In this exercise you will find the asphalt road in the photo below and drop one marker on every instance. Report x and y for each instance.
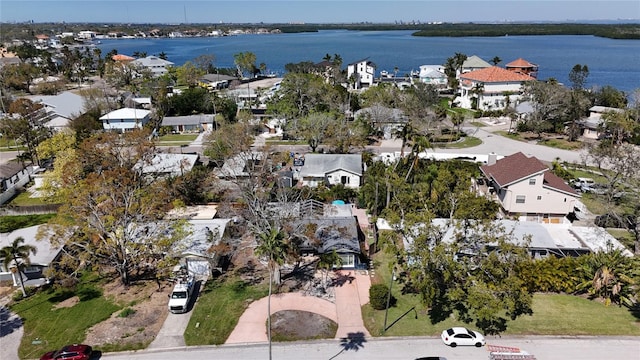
(544, 348)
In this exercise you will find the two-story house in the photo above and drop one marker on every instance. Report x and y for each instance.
(362, 72)
(526, 188)
(593, 125)
(522, 66)
(491, 88)
(156, 65)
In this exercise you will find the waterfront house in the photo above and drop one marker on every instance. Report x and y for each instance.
(125, 119)
(331, 169)
(433, 75)
(522, 66)
(362, 72)
(525, 188)
(473, 63)
(154, 64)
(491, 88)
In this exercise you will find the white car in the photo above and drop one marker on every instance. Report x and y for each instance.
(462, 336)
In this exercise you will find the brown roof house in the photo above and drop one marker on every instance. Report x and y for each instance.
(526, 188)
(522, 66)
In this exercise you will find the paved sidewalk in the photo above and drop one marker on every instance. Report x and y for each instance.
(11, 332)
(352, 292)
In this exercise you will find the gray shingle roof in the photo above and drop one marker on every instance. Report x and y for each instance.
(318, 165)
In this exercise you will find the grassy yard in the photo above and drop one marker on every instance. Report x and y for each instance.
(553, 314)
(48, 328)
(14, 222)
(279, 141)
(176, 139)
(24, 199)
(219, 307)
(556, 314)
(467, 142)
(562, 144)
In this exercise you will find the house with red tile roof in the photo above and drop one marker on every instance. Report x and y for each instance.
(491, 88)
(525, 188)
(522, 66)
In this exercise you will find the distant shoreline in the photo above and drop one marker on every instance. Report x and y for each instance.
(615, 30)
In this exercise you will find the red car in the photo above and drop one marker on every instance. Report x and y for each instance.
(70, 352)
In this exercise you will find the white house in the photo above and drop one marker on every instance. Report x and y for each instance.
(331, 169)
(491, 88)
(593, 124)
(156, 65)
(525, 187)
(125, 119)
(433, 75)
(363, 72)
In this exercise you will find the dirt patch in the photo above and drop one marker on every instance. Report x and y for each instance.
(145, 313)
(293, 325)
(70, 302)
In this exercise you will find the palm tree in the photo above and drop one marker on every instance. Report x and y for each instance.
(420, 144)
(275, 249)
(496, 60)
(19, 255)
(327, 262)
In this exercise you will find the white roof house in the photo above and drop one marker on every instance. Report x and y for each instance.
(60, 108)
(125, 119)
(433, 74)
(155, 64)
(331, 169)
(164, 164)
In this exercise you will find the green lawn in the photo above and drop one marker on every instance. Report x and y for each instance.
(553, 314)
(467, 142)
(218, 309)
(556, 314)
(13, 222)
(562, 144)
(24, 199)
(178, 137)
(47, 328)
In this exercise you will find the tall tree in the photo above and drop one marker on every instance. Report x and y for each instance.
(245, 63)
(578, 76)
(28, 127)
(479, 285)
(18, 254)
(114, 214)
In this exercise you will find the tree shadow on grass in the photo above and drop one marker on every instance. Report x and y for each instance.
(353, 342)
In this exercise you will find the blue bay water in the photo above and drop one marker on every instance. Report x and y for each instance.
(611, 62)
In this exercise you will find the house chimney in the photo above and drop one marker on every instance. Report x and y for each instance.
(493, 157)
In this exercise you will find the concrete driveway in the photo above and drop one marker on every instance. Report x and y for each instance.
(351, 292)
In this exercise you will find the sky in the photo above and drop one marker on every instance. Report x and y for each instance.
(314, 11)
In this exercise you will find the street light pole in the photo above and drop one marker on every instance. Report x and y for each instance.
(386, 311)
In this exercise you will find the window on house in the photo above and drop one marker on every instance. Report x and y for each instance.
(344, 180)
(520, 199)
(532, 181)
(539, 197)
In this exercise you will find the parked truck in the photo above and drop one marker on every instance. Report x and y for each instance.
(181, 294)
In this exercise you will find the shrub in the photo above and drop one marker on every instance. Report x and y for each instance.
(378, 294)
(126, 312)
